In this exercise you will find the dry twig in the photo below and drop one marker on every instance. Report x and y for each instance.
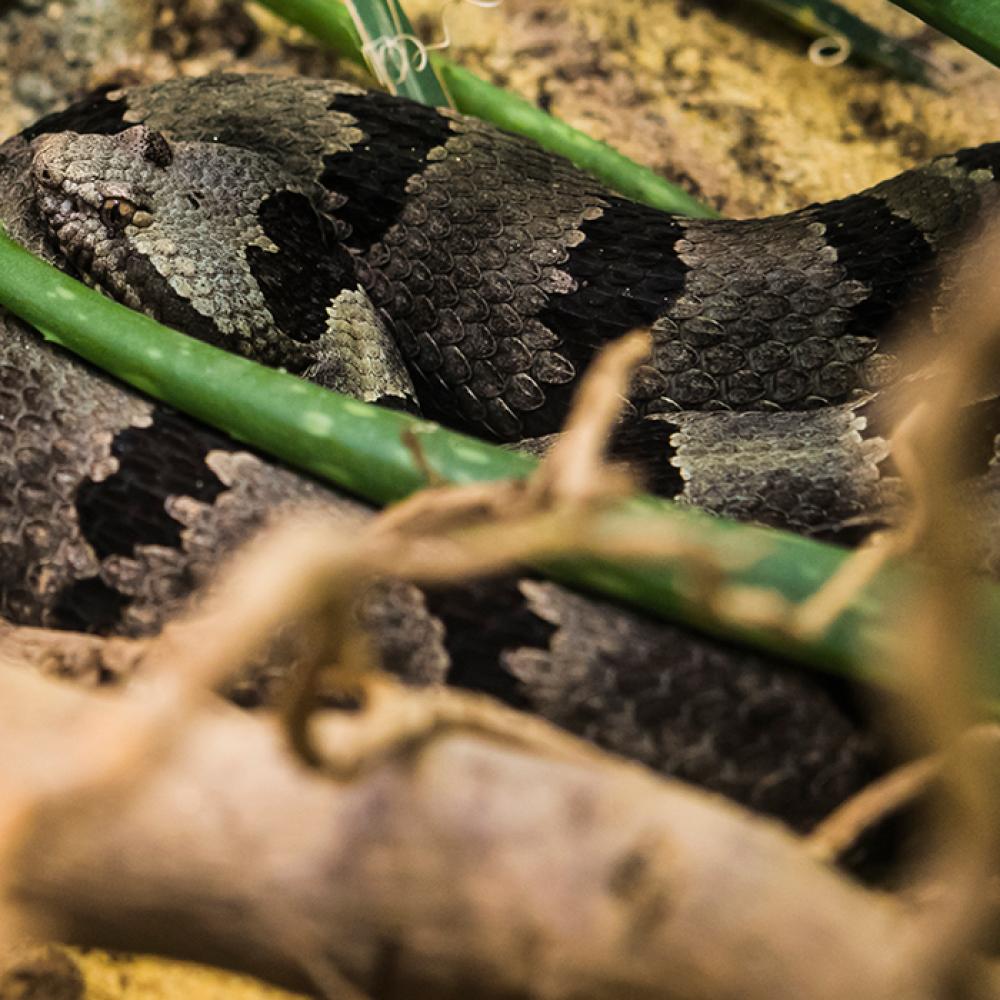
(441, 867)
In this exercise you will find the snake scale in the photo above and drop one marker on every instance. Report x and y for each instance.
(421, 259)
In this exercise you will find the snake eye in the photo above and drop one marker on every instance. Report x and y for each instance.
(117, 213)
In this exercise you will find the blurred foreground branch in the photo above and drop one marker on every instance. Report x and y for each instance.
(438, 867)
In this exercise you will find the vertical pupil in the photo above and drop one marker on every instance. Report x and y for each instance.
(116, 212)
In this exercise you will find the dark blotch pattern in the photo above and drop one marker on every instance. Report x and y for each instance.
(372, 176)
(500, 269)
(157, 150)
(165, 305)
(884, 251)
(626, 272)
(645, 445)
(310, 268)
(752, 728)
(154, 463)
(483, 619)
(89, 605)
(95, 114)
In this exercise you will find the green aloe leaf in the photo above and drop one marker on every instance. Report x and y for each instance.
(974, 23)
(394, 54)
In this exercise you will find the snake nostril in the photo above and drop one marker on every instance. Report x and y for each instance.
(46, 172)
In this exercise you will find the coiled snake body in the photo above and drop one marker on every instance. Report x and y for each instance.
(425, 260)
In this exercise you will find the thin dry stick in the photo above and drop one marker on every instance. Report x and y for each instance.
(815, 615)
(569, 481)
(575, 471)
(572, 473)
(310, 575)
(845, 826)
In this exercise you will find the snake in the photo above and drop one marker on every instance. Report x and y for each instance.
(421, 259)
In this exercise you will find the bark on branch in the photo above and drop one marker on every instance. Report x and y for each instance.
(462, 863)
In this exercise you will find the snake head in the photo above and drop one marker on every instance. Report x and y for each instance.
(95, 193)
(218, 241)
(167, 227)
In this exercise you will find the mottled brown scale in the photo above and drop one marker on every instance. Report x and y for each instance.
(466, 271)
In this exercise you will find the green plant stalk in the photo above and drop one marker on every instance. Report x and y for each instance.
(330, 23)
(974, 23)
(360, 448)
(821, 18)
(377, 20)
